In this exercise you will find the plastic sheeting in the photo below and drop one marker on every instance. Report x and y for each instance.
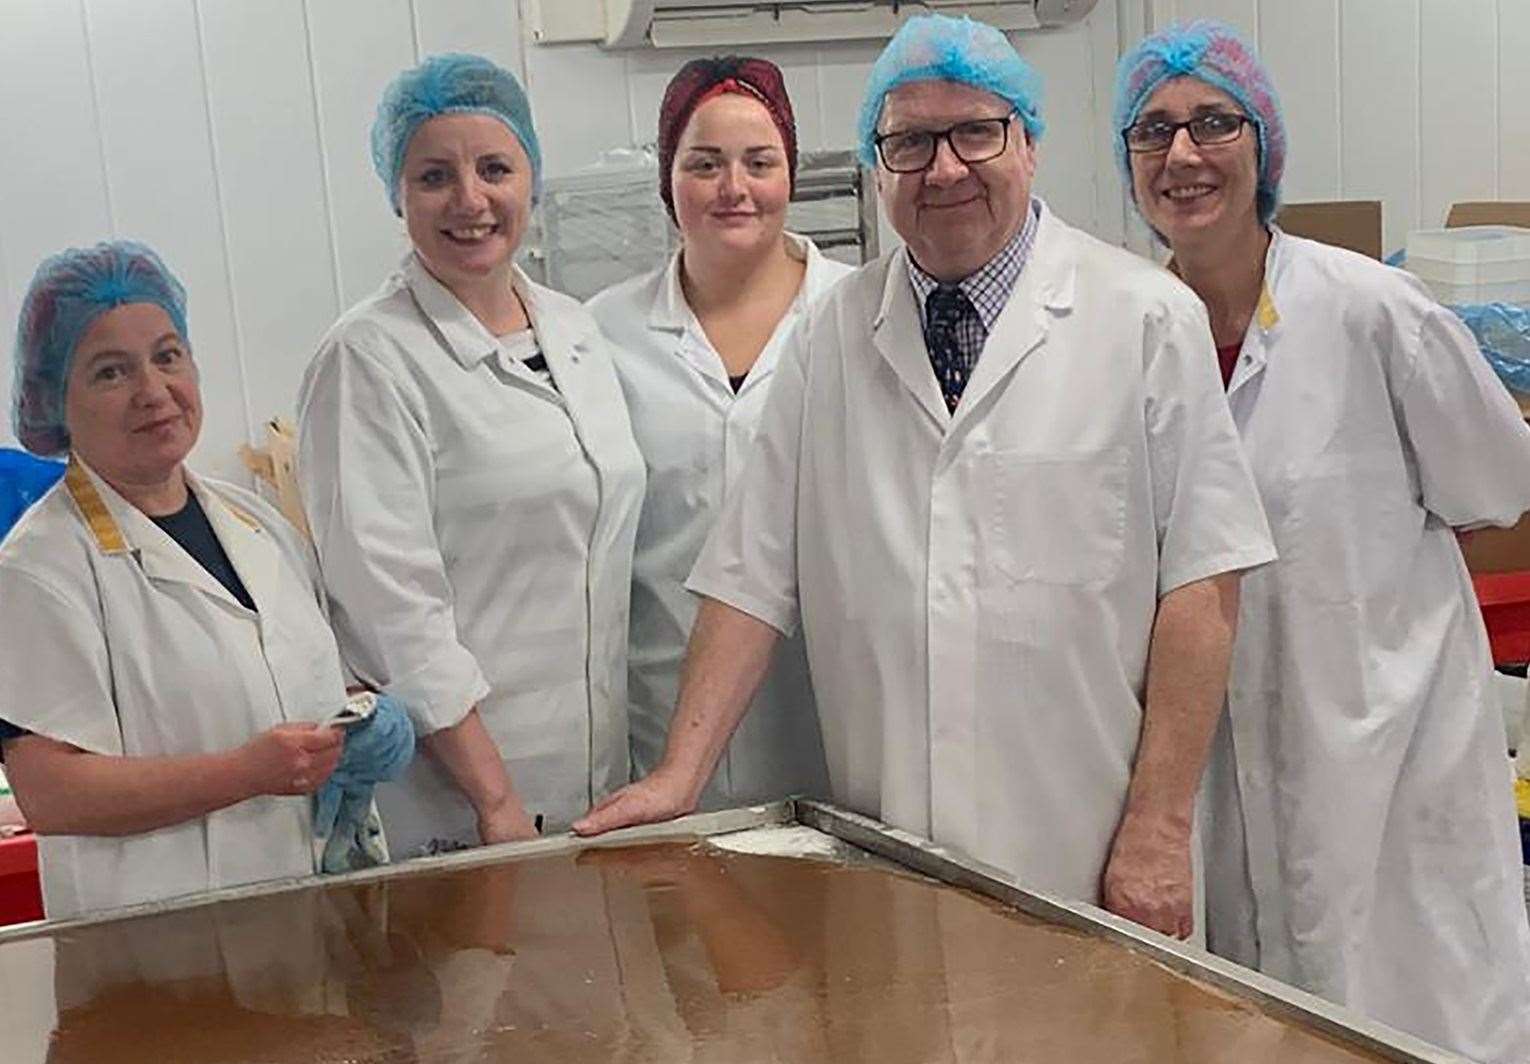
(23, 480)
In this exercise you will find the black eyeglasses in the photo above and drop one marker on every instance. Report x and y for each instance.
(1206, 130)
(975, 141)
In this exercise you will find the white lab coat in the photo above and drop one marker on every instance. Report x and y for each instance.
(118, 642)
(978, 591)
(694, 433)
(1365, 768)
(475, 528)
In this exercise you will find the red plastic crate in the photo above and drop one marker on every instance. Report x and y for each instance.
(20, 889)
(1505, 601)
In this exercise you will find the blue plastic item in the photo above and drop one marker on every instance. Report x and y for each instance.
(68, 293)
(447, 85)
(23, 480)
(942, 48)
(1215, 53)
(1503, 332)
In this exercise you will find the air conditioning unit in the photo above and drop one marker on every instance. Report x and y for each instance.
(715, 23)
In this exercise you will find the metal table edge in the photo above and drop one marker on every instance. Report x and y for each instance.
(696, 825)
(1277, 998)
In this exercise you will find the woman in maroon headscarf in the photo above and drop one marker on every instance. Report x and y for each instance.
(697, 344)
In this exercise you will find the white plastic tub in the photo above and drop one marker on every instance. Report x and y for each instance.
(1472, 264)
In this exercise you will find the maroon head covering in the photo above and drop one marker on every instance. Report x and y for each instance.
(700, 80)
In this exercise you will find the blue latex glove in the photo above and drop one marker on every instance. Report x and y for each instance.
(378, 749)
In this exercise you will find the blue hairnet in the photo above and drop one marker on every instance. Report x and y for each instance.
(1212, 52)
(444, 85)
(942, 48)
(68, 293)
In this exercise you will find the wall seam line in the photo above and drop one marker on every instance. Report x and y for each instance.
(96, 122)
(1338, 95)
(326, 181)
(1498, 100)
(1418, 115)
(228, 254)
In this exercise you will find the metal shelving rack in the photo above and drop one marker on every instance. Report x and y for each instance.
(605, 223)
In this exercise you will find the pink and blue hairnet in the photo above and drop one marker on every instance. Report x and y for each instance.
(1212, 52)
(444, 85)
(68, 293)
(942, 48)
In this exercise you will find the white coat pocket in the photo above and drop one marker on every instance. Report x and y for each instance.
(1053, 518)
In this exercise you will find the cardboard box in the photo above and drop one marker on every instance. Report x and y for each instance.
(1504, 212)
(1352, 224)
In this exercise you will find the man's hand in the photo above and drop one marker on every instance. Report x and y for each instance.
(1148, 878)
(661, 795)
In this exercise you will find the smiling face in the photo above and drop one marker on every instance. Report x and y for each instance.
(132, 403)
(466, 196)
(730, 179)
(1193, 193)
(955, 216)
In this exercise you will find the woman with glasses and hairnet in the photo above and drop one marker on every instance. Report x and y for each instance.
(1361, 837)
(166, 654)
(697, 344)
(472, 483)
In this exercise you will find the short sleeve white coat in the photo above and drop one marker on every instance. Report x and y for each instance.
(977, 591)
(475, 527)
(695, 432)
(1362, 842)
(118, 642)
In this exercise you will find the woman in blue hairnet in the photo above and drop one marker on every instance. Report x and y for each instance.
(166, 653)
(1361, 838)
(472, 482)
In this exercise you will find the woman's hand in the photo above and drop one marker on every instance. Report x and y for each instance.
(506, 821)
(291, 758)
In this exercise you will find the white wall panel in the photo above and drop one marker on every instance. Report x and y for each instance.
(484, 27)
(1110, 203)
(1299, 42)
(1514, 100)
(580, 98)
(1067, 174)
(1378, 89)
(164, 189)
(52, 186)
(1458, 117)
(1243, 14)
(274, 201)
(843, 67)
(358, 46)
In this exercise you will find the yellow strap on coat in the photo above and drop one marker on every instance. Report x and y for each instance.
(103, 526)
(1266, 314)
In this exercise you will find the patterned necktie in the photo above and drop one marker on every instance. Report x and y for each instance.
(944, 309)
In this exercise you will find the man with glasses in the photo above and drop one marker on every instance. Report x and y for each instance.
(998, 485)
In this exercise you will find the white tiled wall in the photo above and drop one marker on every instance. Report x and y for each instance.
(232, 135)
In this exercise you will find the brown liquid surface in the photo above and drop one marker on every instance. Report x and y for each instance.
(645, 954)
